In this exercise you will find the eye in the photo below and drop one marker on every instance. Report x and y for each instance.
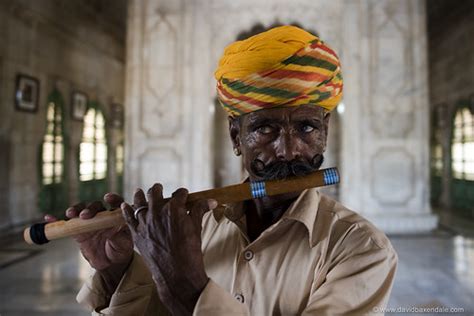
(266, 129)
(307, 129)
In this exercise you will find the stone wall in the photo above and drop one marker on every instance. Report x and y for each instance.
(173, 48)
(67, 45)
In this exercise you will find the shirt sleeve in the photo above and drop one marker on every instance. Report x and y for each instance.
(216, 301)
(135, 295)
(359, 282)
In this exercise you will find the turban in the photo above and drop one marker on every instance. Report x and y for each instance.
(282, 67)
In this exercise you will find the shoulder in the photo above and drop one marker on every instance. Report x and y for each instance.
(348, 231)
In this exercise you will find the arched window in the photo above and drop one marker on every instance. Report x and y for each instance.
(462, 162)
(93, 155)
(53, 197)
(53, 146)
(93, 148)
(462, 148)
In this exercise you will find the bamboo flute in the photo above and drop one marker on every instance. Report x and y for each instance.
(44, 232)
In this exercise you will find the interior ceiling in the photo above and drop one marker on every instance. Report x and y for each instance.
(447, 12)
(114, 11)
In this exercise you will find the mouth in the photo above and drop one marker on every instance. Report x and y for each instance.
(279, 170)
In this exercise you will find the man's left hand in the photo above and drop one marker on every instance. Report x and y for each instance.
(168, 236)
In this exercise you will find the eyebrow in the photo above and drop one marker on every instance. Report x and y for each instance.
(309, 121)
(261, 121)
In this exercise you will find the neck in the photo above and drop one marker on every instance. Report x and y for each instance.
(262, 213)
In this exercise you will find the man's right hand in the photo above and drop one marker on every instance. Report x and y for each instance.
(110, 250)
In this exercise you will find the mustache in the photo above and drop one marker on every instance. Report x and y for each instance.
(279, 170)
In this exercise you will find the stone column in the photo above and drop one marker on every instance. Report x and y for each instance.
(385, 157)
(167, 131)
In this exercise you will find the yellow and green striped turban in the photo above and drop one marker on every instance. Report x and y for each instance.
(284, 66)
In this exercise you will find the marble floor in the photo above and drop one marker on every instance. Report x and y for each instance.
(435, 271)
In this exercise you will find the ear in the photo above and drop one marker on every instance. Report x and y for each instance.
(234, 132)
(326, 119)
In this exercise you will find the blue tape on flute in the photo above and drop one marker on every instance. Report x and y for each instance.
(258, 189)
(331, 176)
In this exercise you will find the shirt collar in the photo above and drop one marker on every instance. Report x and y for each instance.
(303, 209)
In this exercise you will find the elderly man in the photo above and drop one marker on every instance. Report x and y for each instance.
(300, 253)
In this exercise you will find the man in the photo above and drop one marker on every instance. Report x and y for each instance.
(300, 253)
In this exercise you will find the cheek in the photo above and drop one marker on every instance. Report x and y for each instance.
(253, 146)
(250, 140)
(312, 145)
(317, 141)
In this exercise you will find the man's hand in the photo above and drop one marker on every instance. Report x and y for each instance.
(168, 236)
(109, 251)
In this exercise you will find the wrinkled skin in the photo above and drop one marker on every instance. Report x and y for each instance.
(266, 137)
(274, 143)
(279, 135)
(169, 240)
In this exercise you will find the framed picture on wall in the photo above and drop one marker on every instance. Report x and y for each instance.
(26, 93)
(116, 115)
(78, 105)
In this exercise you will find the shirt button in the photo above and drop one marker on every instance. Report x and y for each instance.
(239, 297)
(248, 255)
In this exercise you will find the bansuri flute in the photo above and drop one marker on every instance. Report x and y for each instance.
(42, 233)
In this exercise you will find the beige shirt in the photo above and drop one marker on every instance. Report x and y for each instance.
(320, 258)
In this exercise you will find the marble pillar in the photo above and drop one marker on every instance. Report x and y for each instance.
(385, 142)
(168, 105)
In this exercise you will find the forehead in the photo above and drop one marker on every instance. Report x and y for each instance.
(286, 114)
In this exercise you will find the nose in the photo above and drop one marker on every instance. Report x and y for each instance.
(287, 147)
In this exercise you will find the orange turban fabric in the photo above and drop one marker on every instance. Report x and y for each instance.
(285, 66)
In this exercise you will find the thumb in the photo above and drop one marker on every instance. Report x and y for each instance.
(121, 239)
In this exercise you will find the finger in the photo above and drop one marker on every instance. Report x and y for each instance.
(113, 199)
(155, 197)
(74, 210)
(178, 200)
(91, 210)
(127, 213)
(139, 198)
(50, 218)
